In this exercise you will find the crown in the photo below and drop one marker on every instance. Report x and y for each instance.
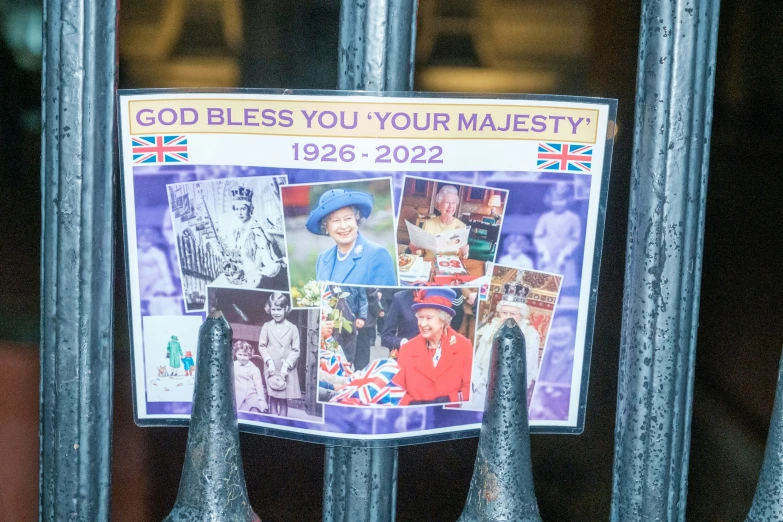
(516, 291)
(242, 194)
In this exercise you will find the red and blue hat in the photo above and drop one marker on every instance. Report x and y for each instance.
(438, 298)
(335, 199)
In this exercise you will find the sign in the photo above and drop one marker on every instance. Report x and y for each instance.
(365, 250)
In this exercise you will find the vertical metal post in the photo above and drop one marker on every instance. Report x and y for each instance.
(77, 259)
(376, 53)
(377, 45)
(664, 256)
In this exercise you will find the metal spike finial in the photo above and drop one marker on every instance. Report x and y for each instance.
(768, 501)
(212, 487)
(502, 484)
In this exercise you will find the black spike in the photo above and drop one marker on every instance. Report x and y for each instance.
(212, 487)
(502, 484)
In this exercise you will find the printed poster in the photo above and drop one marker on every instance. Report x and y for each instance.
(364, 249)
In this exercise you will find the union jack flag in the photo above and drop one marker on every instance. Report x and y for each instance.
(333, 363)
(160, 149)
(372, 386)
(564, 156)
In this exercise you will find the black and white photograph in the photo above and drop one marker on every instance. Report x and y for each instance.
(229, 233)
(275, 353)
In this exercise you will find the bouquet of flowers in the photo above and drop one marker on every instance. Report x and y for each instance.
(309, 296)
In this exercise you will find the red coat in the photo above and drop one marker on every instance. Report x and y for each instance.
(422, 382)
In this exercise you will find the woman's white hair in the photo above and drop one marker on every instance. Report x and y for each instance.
(522, 307)
(443, 316)
(443, 192)
(356, 213)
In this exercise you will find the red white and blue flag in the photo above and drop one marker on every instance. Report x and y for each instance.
(160, 149)
(333, 363)
(372, 386)
(564, 156)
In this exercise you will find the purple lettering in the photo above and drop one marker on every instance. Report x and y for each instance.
(440, 118)
(488, 122)
(416, 119)
(215, 116)
(508, 124)
(345, 125)
(575, 124)
(309, 118)
(382, 120)
(557, 120)
(183, 118)
(268, 117)
(539, 123)
(147, 121)
(401, 127)
(228, 117)
(171, 121)
(519, 121)
(466, 123)
(286, 116)
(321, 119)
(250, 117)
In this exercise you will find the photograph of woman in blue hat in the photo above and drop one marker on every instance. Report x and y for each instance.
(353, 259)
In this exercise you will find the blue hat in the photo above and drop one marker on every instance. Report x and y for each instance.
(438, 298)
(336, 199)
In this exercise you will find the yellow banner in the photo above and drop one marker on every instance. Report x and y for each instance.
(290, 117)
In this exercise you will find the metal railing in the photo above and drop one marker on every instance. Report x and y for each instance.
(676, 73)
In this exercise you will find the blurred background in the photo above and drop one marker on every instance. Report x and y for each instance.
(574, 47)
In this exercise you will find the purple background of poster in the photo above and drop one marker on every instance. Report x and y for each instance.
(525, 205)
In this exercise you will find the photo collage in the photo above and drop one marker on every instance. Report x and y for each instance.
(361, 303)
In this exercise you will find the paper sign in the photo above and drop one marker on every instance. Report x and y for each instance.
(293, 214)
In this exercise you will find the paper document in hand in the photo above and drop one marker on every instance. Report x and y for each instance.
(421, 238)
(452, 240)
(449, 241)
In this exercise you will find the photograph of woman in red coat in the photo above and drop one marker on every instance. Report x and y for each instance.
(435, 366)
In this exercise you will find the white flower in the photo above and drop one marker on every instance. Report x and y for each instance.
(359, 250)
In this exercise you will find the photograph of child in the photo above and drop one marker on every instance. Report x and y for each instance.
(431, 365)
(275, 351)
(545, 224)
(438, 207)
(170, 344)
(248, 386)
(558, 233)
(339, 232)
(229, 232)
(280, 348)
(529, 298)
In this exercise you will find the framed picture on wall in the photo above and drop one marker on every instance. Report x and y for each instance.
(475, 194)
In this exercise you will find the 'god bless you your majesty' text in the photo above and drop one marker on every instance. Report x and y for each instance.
(552, 122)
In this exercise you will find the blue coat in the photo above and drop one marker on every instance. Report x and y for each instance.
(371, 265)
(400, 322)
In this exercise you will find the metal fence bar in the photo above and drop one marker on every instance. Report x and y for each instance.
(77, 259)
(376, 53)
(664, 257)
(377, 45)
